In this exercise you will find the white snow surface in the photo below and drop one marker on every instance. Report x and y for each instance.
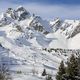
(22, 47)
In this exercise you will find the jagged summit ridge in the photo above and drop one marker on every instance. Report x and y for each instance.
(20, 8)
(58, 30)
(10, 15)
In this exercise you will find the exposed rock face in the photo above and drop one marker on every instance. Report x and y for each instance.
(11, 15)
(22, 13)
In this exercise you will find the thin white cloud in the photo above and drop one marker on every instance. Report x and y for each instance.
(51, 11)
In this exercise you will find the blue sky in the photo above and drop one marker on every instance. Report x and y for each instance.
(48, 9)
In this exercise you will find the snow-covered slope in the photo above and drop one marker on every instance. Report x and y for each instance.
(74, 42)
(24, 52)
(29, 44)
(58, 40)
(56, 24)
(68, 29)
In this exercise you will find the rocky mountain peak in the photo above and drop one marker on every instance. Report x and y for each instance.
(22, 13)
(20, 8)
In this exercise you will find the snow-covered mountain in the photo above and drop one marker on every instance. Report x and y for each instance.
(68, 29)
(29, 43)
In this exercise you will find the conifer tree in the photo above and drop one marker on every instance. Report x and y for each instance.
(72, 67)
(61, 71)
(78, 59)
(44, 72)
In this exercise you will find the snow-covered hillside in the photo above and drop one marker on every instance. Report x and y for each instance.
(29, 44)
